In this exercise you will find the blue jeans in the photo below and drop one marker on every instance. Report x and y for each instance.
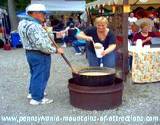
(68, 39)
(39, 65)
(77, 43)
(107, 60)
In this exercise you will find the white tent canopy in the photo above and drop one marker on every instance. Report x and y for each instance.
(62, 5)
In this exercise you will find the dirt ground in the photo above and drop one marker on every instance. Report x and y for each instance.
(140, 105)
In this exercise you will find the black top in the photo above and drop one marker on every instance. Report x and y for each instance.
(72, 33)
(92, 31)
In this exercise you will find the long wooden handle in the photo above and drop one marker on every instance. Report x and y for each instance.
(63, 56)
(67, 61)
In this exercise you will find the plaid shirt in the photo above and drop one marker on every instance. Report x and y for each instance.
(34, 36)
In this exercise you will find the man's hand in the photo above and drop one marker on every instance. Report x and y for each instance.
(60, 51)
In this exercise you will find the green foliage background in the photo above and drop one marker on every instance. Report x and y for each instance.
(20, 4)
(87, 1)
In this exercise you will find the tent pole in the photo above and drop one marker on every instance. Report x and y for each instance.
(125, 42)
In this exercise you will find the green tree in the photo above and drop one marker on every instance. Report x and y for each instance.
(12, 6)
(88, 1)
(19, 4)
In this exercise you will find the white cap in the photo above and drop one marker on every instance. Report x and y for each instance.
(36, 7)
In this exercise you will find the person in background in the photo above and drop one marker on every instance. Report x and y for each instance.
(70, 21)
(156, 21)
(38, 48)
(54, 22)
(77, 43)
(60, 25)
(131, 26)
(69, 35)
(131, 18)
(144, 34)
(99, 34)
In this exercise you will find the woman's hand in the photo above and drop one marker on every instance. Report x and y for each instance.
(109, 49)
(147, 39)
(105, 52)
(89, 38)
(83, 36)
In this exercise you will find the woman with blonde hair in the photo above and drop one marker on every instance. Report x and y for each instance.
(144, 34)
(99, 33)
